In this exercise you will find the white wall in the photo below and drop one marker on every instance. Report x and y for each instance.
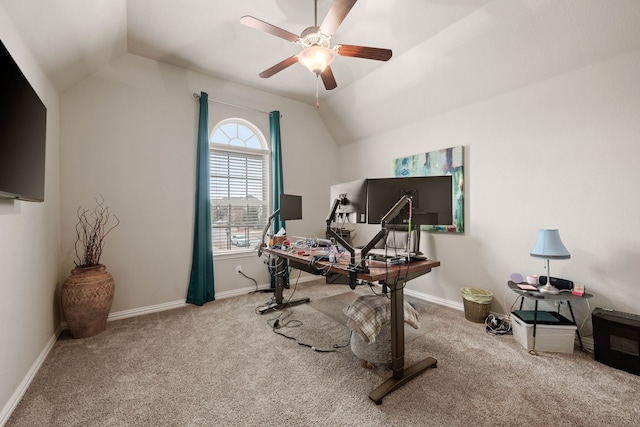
(558, 153)
(129, 134)
(28, 250)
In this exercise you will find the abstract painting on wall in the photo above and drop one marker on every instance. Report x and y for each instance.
(448, 161)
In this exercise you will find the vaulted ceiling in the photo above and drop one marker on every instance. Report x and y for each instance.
(446, 53)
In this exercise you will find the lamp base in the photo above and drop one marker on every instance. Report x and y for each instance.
(548, 289)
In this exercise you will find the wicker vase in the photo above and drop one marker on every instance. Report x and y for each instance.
(86, 298)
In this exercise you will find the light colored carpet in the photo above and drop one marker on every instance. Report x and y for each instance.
(223, 365)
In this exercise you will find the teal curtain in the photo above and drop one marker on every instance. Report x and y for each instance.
(201, 288)
(278, 182)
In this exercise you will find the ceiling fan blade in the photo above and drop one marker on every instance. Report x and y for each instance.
(337, 12)
(328, 79)
(260, 25)
(364, 52)
(279, 67)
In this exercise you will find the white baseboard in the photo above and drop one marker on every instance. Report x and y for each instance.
(24, 385)
(588, 344)
(435, 300)
(181, 303)
(146, 310)
(243, 291)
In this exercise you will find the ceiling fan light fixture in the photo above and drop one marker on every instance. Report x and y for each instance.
(317, 54)
(316, 58)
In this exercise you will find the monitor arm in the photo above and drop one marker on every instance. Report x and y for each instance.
(332, 212)
(393, 212)
(264, 232)
(336, 236)
(343, 243)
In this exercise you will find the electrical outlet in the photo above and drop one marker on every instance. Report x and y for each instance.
(238, 269)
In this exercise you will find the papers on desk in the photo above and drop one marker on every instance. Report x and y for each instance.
(527, 287)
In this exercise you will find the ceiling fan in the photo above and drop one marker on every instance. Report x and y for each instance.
(317, 53)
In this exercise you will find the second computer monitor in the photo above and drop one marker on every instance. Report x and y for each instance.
(431, 199)
(353, 200)
(290, 207)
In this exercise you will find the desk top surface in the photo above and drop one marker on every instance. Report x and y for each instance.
(562, 296)
(378, 270)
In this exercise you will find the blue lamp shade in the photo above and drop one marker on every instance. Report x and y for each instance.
(549, 245)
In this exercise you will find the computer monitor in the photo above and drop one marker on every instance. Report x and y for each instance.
(290, 207)
(353, 201)
(431, 199)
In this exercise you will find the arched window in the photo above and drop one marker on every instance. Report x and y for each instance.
(239, 185)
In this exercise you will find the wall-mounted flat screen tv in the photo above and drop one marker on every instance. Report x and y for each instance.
(23, 130)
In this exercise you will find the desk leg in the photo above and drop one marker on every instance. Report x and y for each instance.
(573, 319)
(397, 332)
(279, 302)
(400, 374)
(535, 320)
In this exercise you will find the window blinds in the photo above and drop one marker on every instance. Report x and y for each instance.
(239, 197)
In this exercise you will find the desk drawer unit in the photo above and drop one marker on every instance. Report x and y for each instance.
(554, 332)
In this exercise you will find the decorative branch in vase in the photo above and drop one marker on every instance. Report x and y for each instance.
(87, 295)
(91, 231)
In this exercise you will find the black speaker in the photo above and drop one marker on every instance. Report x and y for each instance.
(616, 339)
(556, 282)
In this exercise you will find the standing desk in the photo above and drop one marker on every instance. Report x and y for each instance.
(392, 276)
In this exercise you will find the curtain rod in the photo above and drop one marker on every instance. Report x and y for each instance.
(197, 96)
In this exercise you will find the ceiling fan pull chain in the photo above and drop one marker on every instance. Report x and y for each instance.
(317, 83)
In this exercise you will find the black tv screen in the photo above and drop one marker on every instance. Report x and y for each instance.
(23, 129)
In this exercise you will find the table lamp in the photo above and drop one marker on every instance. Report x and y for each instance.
(549, 246)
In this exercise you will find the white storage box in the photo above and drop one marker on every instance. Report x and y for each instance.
(554, 332)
